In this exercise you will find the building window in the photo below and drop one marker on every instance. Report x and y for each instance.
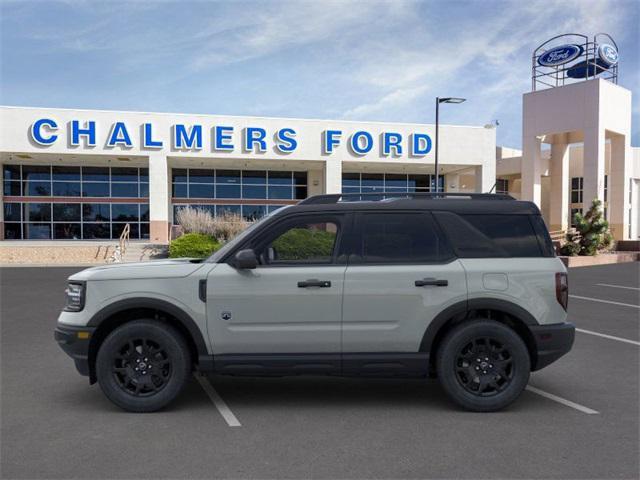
(573, 212)
(229, 190)
(502, 186)
(576, 189)
(88, 211)
(389, 182)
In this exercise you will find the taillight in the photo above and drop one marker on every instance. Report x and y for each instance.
(562, 289)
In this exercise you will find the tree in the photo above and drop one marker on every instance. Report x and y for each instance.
(592, 233)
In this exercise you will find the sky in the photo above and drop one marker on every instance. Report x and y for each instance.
(345, 60)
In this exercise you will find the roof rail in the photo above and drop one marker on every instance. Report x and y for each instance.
(336, 197)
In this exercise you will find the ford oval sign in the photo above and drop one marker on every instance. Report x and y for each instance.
(560, 55)
(608, 54)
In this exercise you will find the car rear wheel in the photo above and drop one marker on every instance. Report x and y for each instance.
(143, 365)
(483, 365)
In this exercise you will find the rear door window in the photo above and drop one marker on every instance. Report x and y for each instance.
(490, 235)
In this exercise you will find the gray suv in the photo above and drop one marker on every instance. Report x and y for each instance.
(464, 287)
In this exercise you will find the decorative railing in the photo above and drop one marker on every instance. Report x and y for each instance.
(123, 243)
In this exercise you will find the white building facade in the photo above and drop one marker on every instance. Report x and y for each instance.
(85, 174)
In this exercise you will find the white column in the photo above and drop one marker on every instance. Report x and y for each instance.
(559, 205)
(333, 176)
(593, 166)
(619, 188)
(485, 177)
(159, 198)
(531, 169)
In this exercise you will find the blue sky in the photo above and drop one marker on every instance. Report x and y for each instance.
(355, 60)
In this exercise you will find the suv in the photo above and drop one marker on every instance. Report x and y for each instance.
(464, 287)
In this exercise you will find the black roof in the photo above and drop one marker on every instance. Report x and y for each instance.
(459, 203)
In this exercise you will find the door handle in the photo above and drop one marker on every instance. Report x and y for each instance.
(314, 283)
(426, 282)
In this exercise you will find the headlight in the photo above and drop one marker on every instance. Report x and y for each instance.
(75, 297)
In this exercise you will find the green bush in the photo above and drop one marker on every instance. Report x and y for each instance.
(193, 245)
(304, 244)
(592, 233)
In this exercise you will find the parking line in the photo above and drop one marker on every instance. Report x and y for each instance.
(610, 337)
(563, 401)
(604, 301)
(616, 286)
(217, 400)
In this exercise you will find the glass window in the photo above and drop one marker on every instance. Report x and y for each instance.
(573, 213)
(37, 231)
(37, 212)
(96, 212)
(300, 192)
(66, 212)
(303, 242)
(11, 172)
(228, 191)
(419, 181)
(300, 178)
(68, 231)
(373, 180)
(13, 231)
(395, 182)
(144, 230)
(229, 209)
(197, 190)
(66, 173)
(12, 212)
(124, 212)
(144, 174)
(253, 212)
(228, 176)
(37, 189)
(254, 191)
(120, 174)
(129, 190)
(96, 230)
(117, 228)
(254, 177)
(351, 180)
(144, 190)
(179, 190)
(398, 238)
(95, 174)
(179, 175)
(280, 192)
(280, 178)
(36, 172)
(502, 186)
(66, 189)
(144, 212)
(201, 176)
(12, 188)
(95, 189)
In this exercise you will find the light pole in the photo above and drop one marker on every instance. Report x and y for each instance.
(438, 102)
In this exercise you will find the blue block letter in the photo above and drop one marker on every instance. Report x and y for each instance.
(355, 142)
(421, 144)
(222, 136)
(331, 140)
(392, 140)
(184, 139)
(119, 136)
(147, 138)
(37, 134)
(253, 136)
(286, 142)
(89, 131)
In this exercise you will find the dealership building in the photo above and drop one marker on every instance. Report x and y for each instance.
(86, 174)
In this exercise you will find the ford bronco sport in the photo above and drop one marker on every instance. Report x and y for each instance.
(465, 287)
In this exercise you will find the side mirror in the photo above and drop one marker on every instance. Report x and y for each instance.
(245, 260)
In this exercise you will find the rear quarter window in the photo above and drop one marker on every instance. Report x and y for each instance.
(490, 235)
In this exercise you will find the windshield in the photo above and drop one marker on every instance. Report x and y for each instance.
(231, 244)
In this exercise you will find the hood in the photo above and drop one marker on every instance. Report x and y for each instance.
(174, 268)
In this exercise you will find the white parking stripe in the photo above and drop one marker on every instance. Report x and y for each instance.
(616, 286)
(604, 301)
(610, 337)
(561, 400)
(217, 400)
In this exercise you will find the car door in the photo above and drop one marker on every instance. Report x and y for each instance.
(292, 302)
(401, 274)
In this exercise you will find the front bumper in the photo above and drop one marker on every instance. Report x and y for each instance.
(552, 342)
(75, 343)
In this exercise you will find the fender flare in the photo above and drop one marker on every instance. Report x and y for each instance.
(156, 304)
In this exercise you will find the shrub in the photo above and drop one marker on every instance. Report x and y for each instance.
(223, 227)
(193, 245)
(592, 233)
(302, 243)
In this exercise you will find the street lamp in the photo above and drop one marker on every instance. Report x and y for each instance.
(438, 102)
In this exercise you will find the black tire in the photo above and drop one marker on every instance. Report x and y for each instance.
(143, 365)
(483, 365)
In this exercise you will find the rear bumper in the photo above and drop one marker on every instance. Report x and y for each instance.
(552, 342)
(75, 343)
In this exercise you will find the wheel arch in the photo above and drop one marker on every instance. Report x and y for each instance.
(123, 311)
(502, 311)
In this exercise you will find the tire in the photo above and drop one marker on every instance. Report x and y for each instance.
(483, 365)
(143, 365)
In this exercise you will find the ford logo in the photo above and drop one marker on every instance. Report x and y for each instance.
(560, 55)
(608, 54)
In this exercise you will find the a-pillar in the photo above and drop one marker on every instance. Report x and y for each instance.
(158, 198)
(618, 188)
(559, 211)
(593, 166)
(531, 169)
(332, 176)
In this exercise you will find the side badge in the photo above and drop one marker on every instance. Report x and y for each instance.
(225, 316)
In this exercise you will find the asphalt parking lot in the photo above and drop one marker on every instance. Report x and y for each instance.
(579, 420)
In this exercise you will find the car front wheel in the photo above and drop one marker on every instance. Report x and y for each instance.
(483, 365)
(143, 365)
